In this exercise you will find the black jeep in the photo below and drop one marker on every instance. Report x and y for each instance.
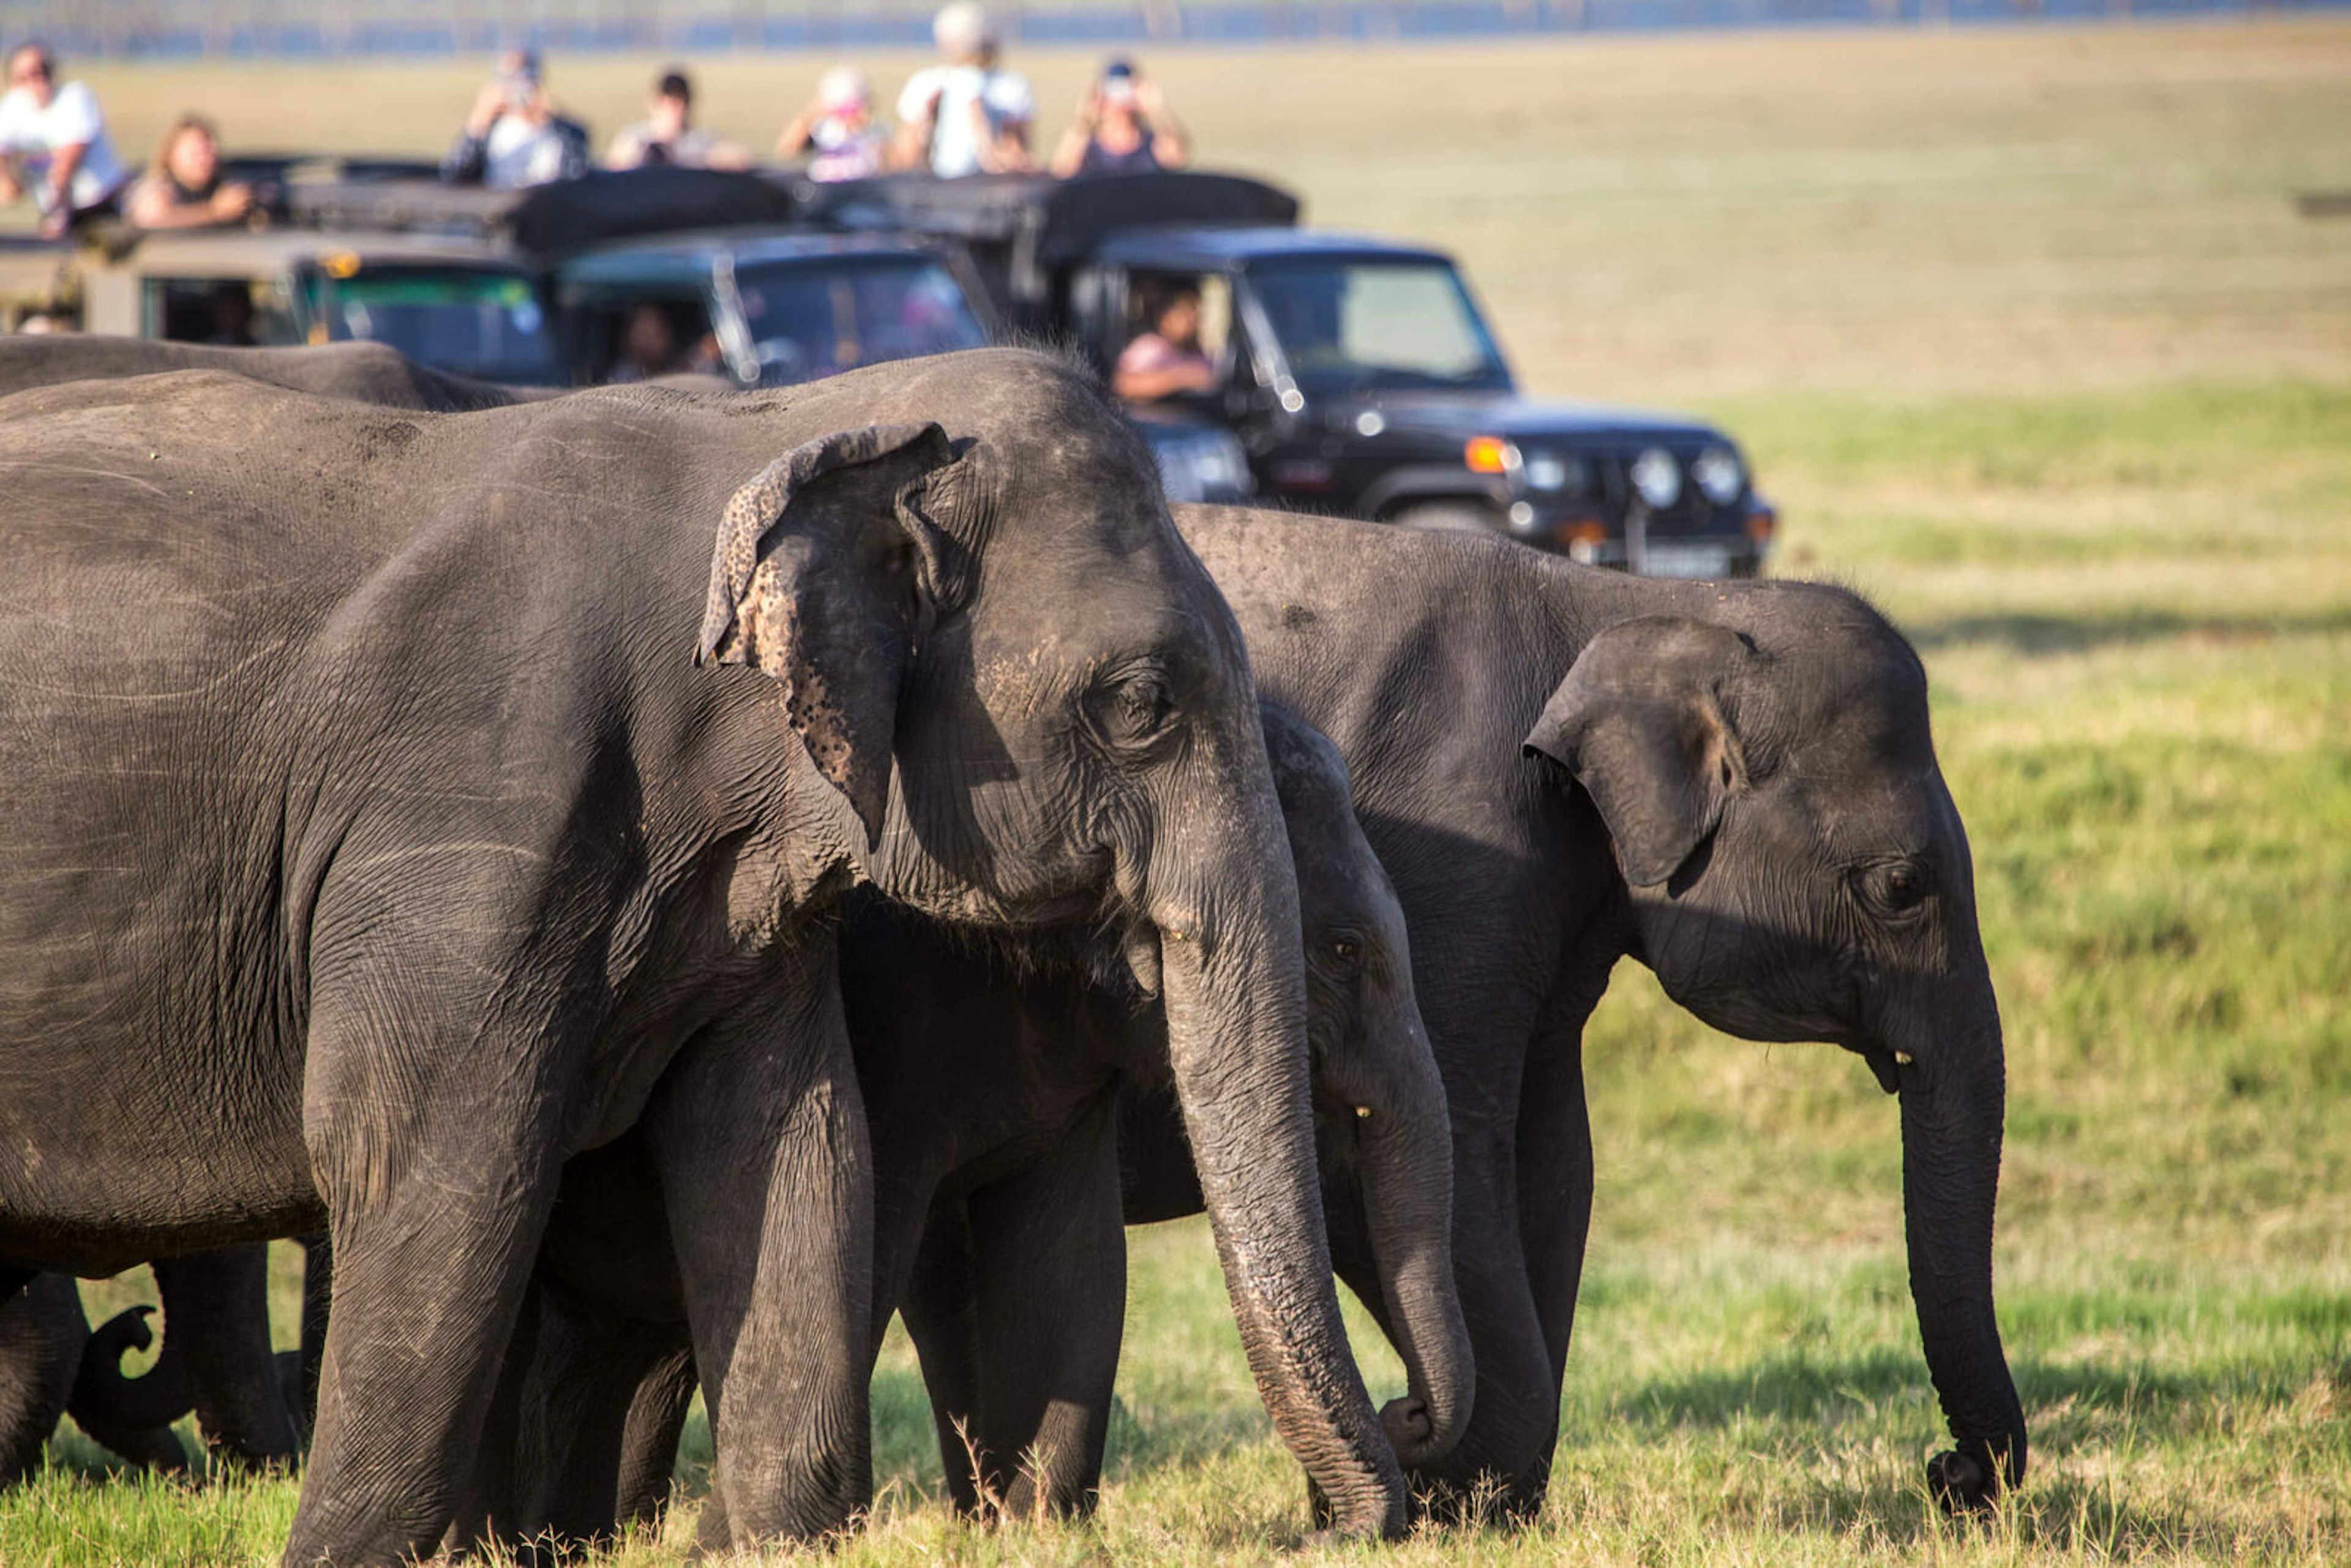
(1358, 373)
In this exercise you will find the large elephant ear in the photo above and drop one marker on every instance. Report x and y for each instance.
(1640, 722)
(818, 561)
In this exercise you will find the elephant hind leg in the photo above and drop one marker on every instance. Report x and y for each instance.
(217, 1311)
(598, 1409)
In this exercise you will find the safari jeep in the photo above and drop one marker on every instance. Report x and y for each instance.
(444, 301)
(1359, 374)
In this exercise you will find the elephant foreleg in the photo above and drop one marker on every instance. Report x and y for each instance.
(1046, 1261)
(599, 1412)
(757, 1137)
(942, 1314)
(435, 1219)
(318, 1297)
(657, 1413)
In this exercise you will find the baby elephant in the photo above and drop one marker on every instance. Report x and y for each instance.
(216, 1362)
(53, 1364)
(998, 1226)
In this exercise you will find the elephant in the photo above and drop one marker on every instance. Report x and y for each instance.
(383, 838)
(53, 1364)
(363, 371)
(216, 1362)
(989, 1088)
(1732, 783)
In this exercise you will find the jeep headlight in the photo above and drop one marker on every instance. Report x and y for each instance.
(1657, 479)
(1549, 471)
(1719, 475)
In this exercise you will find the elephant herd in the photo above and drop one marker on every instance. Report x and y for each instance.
(665, 879)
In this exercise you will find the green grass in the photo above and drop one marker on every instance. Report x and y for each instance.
(2072, 405)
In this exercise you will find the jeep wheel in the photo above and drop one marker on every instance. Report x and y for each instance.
(1450, 516)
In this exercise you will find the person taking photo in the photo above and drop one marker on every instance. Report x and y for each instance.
(1123, 127)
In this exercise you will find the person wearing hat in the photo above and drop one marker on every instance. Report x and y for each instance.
(1123, 127)
(52, 139)
(837, 132)
(514, 138)
(965, 116)
(668, 135)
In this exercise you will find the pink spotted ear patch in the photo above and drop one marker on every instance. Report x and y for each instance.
(767, 633)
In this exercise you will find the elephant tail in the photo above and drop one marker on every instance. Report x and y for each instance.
(132, 1416)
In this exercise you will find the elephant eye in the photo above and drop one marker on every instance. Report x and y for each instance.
(1347, 950)
(1132, 709)
(1897, 887)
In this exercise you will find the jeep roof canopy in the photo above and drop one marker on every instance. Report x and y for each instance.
(1030, 224)
(555, 219)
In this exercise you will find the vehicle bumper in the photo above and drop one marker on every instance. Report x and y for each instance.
(1640, 545)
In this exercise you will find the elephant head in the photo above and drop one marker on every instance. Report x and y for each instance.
(1796, 871)
(1379, 1101)
(995, 645)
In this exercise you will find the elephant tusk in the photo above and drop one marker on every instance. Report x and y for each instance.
(1362, 1112)
(1904, 1058)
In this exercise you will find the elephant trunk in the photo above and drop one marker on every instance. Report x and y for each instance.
(1404, 1155)
(104, 1396)
(1236, 1008)
(1954, 1095)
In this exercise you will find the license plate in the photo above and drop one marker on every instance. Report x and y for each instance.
(1668, 557)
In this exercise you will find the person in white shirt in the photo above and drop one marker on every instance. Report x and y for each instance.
(52, 139)
(966, 116)
(515, 138)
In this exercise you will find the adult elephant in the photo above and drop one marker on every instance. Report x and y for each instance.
(1732, 783)
(373, 845)
(215, 1302)
(367, 372)
(990, 1085)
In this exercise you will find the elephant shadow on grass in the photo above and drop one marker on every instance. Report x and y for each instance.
(905, 1445)
(1821, 1419)
(906, 1459)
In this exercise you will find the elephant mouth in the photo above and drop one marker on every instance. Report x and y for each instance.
(1882, 1062)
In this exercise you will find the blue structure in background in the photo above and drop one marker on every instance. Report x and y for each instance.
(314, 29)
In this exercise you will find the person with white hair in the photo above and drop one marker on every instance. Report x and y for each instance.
(966, 115)
(837, 131)
(53, 142)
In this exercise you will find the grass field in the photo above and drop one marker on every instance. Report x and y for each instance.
(2024, 335)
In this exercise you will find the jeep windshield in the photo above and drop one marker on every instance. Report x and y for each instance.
(473, 323)
(1348, 325)
(818, 318)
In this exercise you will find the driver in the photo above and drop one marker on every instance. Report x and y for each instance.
(1166, 358)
